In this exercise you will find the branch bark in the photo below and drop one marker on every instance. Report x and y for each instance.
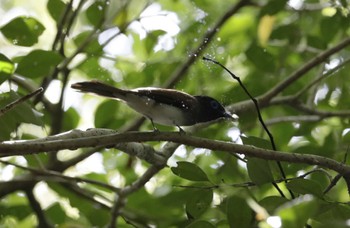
(97, 137)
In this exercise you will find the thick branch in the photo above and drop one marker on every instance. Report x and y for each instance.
(33, 147)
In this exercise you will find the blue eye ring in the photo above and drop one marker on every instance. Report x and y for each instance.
(214, 104)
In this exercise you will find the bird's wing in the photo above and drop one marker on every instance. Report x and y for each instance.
(168, 96)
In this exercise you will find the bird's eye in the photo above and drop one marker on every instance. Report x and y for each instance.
(214, 104)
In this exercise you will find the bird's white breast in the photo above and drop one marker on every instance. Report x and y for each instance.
(159, 113)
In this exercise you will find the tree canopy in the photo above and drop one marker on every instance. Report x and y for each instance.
(70, 159)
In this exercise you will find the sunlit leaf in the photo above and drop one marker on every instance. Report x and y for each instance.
(23, 31)
(265, 28)
(70, 119)
(6, 68)
(56, 9)
(38, 63)
(22, 113)
(95, 12)
(297, 214)
(93, 47)
(92, 68)
(271, 203)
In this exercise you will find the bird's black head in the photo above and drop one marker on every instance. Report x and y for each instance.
(210, 109)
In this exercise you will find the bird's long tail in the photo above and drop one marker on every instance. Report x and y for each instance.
(99, 89)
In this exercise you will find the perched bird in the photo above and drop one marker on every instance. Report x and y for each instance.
(163, 106)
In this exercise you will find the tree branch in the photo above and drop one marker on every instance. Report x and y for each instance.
(119, 203)
(307, 118)
(11, 148)
(265, 99)
(208, 36)
(42, 221)
(19, 101)
(304, 69)
(54, 176)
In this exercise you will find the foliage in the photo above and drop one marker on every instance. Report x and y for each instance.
(284, 53)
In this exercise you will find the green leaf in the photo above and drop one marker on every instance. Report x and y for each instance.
(106, 115)
(121, 19)
(189, 171)
(70, 119)
(273, 6)
(38, 63)
(259, 171)
(92, 68)
(86, 208)
(200, 224)
(297, 213)
(56, 213)
(289, 33)
(316, 42)
(239, 214)
(18, 211)
(255, 141)
(23, 31)
(95, 12)
(56, 9)
(261, 58)
(327, 29)
(98, 218)
(198, 203)
(6, 68)
(270, 203)
(22, 113)
(346, 138)
(304, 186)
(139, 47)
(93, 47)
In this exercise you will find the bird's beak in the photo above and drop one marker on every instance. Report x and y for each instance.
(231, 117)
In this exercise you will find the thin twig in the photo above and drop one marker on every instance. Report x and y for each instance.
(304, 69)
(205, 41)
(282, 119)
(322, 77)
(42, 220)
(260, 120)
(267, 98)
(120, 197)
(333, 183)
(19, 101)
(59, 175)
(61, 23)
(251, 184)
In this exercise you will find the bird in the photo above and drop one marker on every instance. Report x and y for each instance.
(162, 106)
